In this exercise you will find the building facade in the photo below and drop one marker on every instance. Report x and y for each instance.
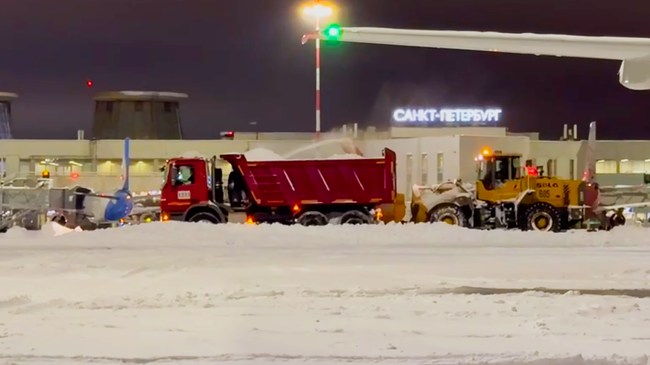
(425, 155)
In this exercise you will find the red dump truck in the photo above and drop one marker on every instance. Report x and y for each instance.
(307, 192)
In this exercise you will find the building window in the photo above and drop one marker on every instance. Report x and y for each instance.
(108, 167)
(425, 168)
(185, 175)
(551, 168)
(139, 106)
(632, 166)
(440, 165)
(606, 167)
(142, 167)
(168, 107)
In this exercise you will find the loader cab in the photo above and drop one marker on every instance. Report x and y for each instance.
(495, 169)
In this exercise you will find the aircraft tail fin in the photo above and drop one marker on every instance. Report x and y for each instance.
(125, 164)
(589, 174)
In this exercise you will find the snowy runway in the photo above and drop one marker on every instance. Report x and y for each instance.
(176, 293)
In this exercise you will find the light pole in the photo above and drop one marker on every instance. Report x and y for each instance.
(318, 10)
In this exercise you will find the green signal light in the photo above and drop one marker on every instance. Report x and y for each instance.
(333, 32)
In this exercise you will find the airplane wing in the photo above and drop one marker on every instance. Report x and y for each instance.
(634, 52)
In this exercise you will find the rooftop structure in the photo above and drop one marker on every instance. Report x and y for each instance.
(138, 115)
(5, 114)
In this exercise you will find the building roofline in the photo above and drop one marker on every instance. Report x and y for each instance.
(5, 96)
(140, 96)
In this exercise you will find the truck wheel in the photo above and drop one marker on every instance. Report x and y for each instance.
(308, 219)
(541, 217)
(60, 220)
(204, 217)
(355, 217)
(448, 213)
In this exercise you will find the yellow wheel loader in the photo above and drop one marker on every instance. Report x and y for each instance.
(505, 195)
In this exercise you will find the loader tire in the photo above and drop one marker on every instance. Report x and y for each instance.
(542, 217)
(448, 213)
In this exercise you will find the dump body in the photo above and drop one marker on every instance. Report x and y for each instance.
(309, 192)
(362, 181)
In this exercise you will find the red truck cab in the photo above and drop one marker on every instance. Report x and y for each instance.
(186, 194)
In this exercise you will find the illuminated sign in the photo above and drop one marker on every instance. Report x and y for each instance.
(423, 116)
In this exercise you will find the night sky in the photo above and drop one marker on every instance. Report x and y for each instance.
(241, 61)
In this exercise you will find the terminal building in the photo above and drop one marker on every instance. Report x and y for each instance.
(427, 154)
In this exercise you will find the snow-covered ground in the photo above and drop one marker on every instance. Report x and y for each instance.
(415, 294)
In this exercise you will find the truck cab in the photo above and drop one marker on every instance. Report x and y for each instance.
(192, 191)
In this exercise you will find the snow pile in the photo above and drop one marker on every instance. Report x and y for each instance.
(407, 294)
(348, 156)
(192, 154)
(50, 229)
(262, 154)
(59, 230)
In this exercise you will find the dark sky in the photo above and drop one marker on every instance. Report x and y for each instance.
(241, 61)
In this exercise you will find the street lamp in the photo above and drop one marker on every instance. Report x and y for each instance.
(318, 10)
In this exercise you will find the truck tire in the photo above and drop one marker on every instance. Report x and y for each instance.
(204, 217)
(60, 220)
(355, 217)
(448, 213)
(542, 217)
(309, 219)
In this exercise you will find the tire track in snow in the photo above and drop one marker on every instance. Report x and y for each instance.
(465, 359)
(469, 290)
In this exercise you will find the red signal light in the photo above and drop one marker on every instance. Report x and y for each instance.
(229, 134)
(89, 83)
(74, 175)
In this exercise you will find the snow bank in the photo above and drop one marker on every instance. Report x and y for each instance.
(407, 294)
(50, 229)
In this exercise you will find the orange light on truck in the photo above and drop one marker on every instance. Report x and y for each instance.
(164, 217)
(296, 208)
(249, 220)
(486, 151)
